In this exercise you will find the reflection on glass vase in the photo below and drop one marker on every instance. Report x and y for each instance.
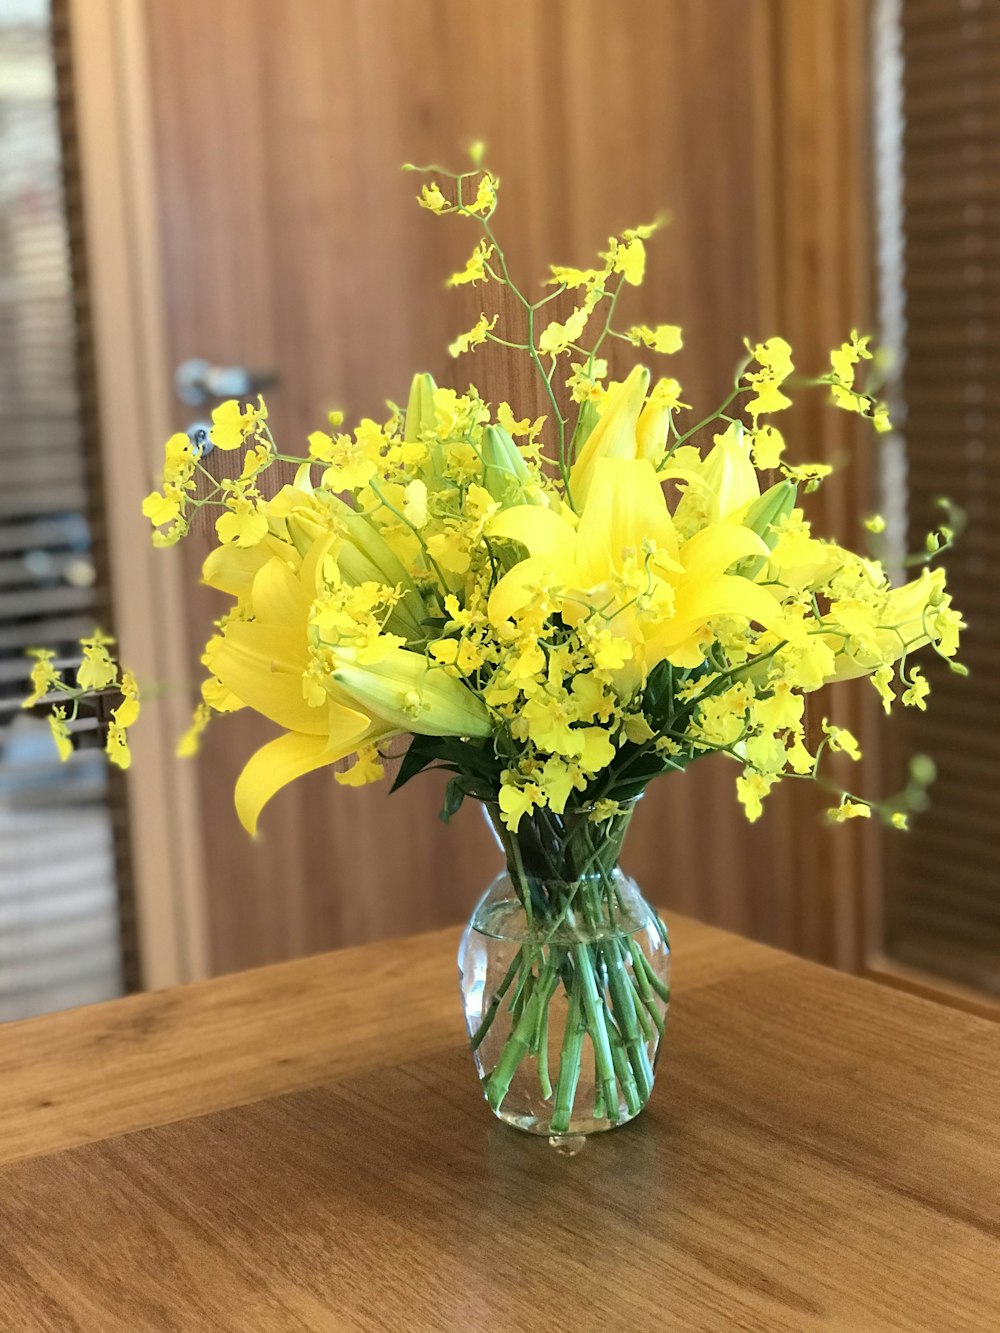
(565, 976)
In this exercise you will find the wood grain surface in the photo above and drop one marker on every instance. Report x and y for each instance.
(171, 1054)
(819, 1153)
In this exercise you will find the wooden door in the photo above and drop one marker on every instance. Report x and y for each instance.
(290, 241)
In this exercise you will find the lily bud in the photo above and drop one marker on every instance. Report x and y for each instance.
(506, 470)
(408, 693)
(651, 429)
(304, 528)
(614, 435)
(585, 422)
(365, 556)
(762, 517)
(419, 408)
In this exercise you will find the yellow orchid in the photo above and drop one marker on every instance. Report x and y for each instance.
(44, 676)
(97, 669)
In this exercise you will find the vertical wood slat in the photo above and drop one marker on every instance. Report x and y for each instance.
(86, 379)
(121, 229)
(814, 242)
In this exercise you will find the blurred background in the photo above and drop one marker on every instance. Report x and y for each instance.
(200, 199)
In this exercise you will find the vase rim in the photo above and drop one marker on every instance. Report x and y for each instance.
(624, 807)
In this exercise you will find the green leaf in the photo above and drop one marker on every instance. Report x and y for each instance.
(477, 765)
(658, 701)
(454, 795)
(422, 752)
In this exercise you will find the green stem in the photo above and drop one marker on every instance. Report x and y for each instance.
(515, 1049)
(542, 1041)
(623, 1007)
(707, 421)
(661, 988)
(524, 991)
(623, 1071)
(594, 1011)
(569, 1062)
(643, 987)
(600, 1110)
(495, 1001)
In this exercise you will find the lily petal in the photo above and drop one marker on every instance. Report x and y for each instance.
(517, 587)
(723, 595)
(625, 507)
(542, 531)
(231, 569)
(279, 596)
(263, 666)
(281, 761)
(614, 436)
(715, 548)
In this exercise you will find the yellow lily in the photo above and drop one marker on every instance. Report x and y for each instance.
(720, 486)
(264, 662)
(614, 436)
(231, 569)
(625, 531)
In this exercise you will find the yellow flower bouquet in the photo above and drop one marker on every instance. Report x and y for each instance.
(554, 611)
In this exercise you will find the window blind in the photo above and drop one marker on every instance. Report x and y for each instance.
(942, 908)
(60, 926)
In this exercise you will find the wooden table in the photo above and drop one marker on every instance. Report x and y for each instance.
(305, 1147)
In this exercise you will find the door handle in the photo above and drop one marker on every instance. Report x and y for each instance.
(197, 382)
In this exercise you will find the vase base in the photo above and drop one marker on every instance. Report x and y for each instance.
(578, 1128)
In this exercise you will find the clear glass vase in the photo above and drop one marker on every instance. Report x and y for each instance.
(565, 976)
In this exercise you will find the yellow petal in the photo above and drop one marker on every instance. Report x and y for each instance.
(231, 569)
(263, 666)
(614, 436)
(542, 531)
(715, 548)
(625, 508)
(517, 587)
(701, 600)
(281, 761)
(279, 596)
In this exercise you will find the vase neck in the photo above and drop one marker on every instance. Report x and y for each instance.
(552, 852)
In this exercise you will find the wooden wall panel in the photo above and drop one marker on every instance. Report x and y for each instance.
(814, 259)
(292, 241)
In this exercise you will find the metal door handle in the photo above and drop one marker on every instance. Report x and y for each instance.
(197, 382)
